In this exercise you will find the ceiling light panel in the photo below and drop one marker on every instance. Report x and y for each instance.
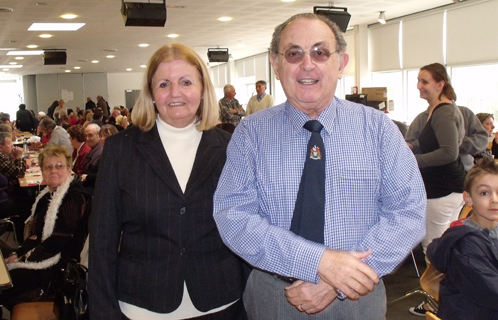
(55, 26)
(17, 66)
(25, 53)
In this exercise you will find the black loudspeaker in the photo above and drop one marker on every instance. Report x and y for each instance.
(218, 55)
(54, 57)
(144, 14)
(340, 16)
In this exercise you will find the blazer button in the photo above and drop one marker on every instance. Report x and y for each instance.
(182, 251)
(183, 210)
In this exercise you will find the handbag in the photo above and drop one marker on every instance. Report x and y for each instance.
(69, 286)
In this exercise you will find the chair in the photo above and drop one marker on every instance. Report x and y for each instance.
(4, 227)
(465, 212)
(33, 311)
(431, 316)
(429, 283)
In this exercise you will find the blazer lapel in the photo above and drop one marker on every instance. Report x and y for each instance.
(209, 154)
(150, 145)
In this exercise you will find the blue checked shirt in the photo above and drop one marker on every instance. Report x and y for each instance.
(375, 197)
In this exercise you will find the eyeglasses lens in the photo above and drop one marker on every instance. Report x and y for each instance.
(58, 167)
(317, 54)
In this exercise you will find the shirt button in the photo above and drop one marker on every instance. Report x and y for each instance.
(182, 251)
(183, 210)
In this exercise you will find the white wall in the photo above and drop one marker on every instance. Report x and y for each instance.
(117, 83)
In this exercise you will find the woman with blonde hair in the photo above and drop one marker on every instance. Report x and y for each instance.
(155, 251)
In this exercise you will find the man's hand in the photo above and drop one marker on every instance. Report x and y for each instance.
(234, 111)
(309, 297)
(344, 271)
(17, 152)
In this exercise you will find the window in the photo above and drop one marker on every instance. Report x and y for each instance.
(476, 87)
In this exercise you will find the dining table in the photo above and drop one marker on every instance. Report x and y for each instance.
(33, 176)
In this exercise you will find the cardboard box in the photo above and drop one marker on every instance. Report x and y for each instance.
(375, 94)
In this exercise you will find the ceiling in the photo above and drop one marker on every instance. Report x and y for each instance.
(195, 21)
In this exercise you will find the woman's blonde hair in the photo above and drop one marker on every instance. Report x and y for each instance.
(144, 112)
(55, 150)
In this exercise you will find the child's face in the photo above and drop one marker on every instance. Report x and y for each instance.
(484, 198)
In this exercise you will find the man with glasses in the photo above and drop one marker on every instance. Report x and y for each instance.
(230, 109)
(92, 162)
(321, 195)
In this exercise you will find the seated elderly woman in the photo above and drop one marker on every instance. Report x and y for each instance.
(80, 147)
(56, 228)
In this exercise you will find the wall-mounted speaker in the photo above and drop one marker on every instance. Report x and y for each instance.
(218, 55)
(144, 14)
(340, 16)
(54, 57)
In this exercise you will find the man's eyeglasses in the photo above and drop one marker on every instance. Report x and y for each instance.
(58, 167)
(317, 54)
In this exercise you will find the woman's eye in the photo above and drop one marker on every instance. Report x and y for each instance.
(187, 82)
(483, 193)
(163, 85)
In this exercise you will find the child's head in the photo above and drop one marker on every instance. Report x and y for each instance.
(481, 192)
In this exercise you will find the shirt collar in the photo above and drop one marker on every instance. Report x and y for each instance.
(298, 118)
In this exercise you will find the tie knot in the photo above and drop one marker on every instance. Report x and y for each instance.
(313, 126)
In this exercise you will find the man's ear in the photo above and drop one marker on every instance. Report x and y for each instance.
(274, 63)
(344, 59)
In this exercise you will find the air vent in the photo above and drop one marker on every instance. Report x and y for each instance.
(6, 9)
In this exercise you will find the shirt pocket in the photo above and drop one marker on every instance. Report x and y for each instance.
(358, 190)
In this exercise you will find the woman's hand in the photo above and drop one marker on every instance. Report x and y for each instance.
(410, 145)
(11, 258)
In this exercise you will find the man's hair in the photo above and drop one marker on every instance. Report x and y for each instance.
(484, 116)
(97, 115)
(77, 132)
(145, 112)
(42, 114)
(55, 150)
(4, 117)
(228, 88)
(22, 106)
(484, 166)
(47, 123)
(5, 128)
(438, 73)
(261, 82)
(94, 125)
(3, 136)
(340, 46)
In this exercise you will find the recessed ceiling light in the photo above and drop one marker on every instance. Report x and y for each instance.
(68, 16)
(45, 35)
(55, 26)
(11, 66)
(77, 68)
(143, 66)
(13, 63)
(129, 69)
(32, 46)
(25, 53)
(173, 35)
(143, 45)
(5, 69)
(19, 58)
(110, 56)
(7, 49)
(95, 61)
(224, 19)
(67, 71)
(288, 0)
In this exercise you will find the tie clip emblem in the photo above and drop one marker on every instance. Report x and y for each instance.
(315, 153)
